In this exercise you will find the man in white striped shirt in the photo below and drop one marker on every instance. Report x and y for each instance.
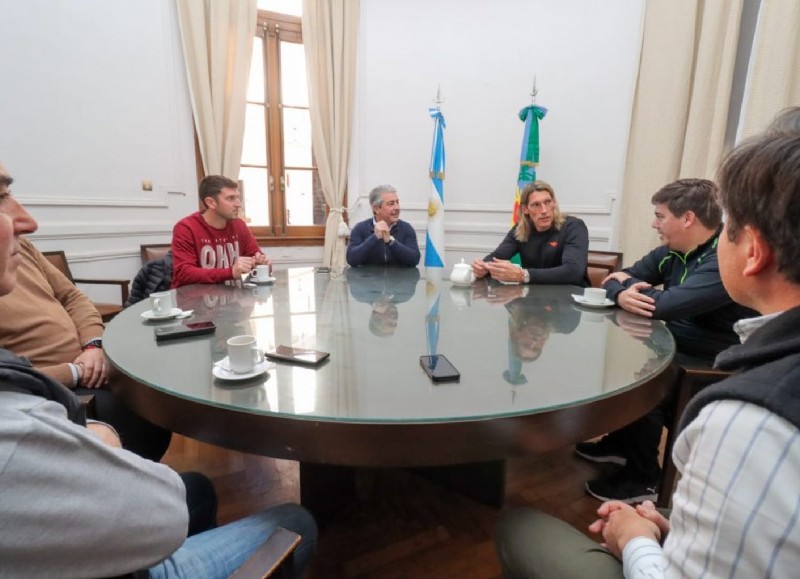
(736, 510)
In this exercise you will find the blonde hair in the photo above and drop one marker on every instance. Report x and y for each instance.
(524, 225)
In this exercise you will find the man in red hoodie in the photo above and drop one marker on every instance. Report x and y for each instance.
(214, 245)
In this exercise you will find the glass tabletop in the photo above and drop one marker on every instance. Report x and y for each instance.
(518, 349)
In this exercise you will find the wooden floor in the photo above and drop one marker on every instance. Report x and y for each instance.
(400, 525)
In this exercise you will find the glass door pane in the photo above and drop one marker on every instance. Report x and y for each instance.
(255, 182)
(296, 138)
(254, 146)
(293, 7)
(255, 83)
(294, 82)
(305, 203)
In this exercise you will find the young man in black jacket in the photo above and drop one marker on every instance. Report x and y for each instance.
(696, 308)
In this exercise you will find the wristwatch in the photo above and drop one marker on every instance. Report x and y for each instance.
(91, 344)
(526, 276)
(391, 240)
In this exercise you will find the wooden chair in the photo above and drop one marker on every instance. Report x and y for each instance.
(691, 380)
(602, 263)
(272, 559)
(611, 260)
(597, 274)
(152, 251)
(107, 311)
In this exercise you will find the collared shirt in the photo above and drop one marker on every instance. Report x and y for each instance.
(746, 326)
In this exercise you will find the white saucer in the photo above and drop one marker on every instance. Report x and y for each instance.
(267, 281)
(222, 370)
(582, 301)
(151, 315)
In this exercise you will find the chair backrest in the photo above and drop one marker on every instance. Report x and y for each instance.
(611, 260)
(597, 274)
(59, 260)
(106, 310)
(153, 251)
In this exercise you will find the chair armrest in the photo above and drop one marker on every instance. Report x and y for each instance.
(273, 553)
(122, 283)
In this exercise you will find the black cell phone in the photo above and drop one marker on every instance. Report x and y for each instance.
(439, 369)
(185, 330)
(298, 355)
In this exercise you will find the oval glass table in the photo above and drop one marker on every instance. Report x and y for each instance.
(537, 371)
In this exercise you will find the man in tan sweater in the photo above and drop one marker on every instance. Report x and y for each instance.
(53, 324)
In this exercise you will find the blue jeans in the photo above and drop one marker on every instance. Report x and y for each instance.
(219, 552)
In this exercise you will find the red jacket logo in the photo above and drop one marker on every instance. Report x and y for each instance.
(553, 244)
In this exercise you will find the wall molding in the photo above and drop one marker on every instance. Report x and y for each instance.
(45, 201)
(96, 256)
(99, 256)
(601, 209)
(77, 231)
(599, 238)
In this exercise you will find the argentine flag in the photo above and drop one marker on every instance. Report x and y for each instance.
(433, 293)
(434, 238)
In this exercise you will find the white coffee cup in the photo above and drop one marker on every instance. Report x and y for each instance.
(243, 354)
(594, 295)
(161, 303)
(261, 273)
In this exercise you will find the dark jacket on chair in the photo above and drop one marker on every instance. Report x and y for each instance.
(155, 276)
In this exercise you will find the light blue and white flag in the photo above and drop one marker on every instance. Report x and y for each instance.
(433, 293)
(434, 238)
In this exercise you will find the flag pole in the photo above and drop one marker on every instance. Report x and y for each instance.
(434, 237)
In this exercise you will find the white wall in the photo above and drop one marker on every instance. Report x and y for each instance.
(484, 55)
(95, 101)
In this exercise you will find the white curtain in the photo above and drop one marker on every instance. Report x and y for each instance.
(681, 106)
(774, 77)
(329, 35)
(217, 46)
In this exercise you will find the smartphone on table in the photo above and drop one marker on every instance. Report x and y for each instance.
(184, 330)
(439, 369)
(298, 355)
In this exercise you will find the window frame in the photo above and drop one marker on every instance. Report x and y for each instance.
(273, 28)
